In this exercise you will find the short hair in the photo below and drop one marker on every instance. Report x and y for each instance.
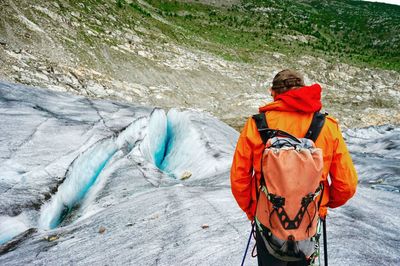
(287, 79)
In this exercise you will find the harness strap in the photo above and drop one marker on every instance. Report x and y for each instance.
(262, 124)
(316, 125)
(313, 131)
(272, 249)
(278, 203)
(315, 238)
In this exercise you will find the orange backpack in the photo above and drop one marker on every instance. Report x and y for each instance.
(290, 191)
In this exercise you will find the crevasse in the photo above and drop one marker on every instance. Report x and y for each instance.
(80, 177)
(168, 140)
(84, 172)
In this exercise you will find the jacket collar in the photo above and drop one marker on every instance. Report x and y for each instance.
(305, 99)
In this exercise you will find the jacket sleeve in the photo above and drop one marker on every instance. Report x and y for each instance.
(342, 173)
(242, 171)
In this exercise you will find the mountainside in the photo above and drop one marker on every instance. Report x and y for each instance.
(218, 56)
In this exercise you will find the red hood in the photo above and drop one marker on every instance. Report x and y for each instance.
(306, 99)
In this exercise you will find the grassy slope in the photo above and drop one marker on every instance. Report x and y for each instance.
(356, 32)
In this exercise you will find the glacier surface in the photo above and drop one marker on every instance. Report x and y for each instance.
(87, 181)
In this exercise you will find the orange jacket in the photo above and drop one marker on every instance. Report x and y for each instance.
(283, 114)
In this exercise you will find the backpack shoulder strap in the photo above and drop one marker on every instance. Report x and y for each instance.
(262, 124)
(316, 125)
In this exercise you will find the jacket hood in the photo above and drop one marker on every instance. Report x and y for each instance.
(306, 99)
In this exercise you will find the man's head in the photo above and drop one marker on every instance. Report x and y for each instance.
(286, 80)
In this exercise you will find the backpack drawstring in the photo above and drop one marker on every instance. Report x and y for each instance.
(255, 244)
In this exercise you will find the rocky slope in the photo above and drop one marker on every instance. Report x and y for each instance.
(140, 52)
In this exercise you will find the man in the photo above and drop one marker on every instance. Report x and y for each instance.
(292, 111)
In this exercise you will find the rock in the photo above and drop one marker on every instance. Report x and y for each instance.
(51, 238)
(378, 181)
(96, 89)
(41, 68)
(102, 229)
(18, 69)
(3, 42)
(145, 54)
(41, 76)
(155, 216)
(205, 226)
(185, 175)
(57, 88)
(277, 55)
(92, 33)
(112, 18)
(75, 14)
(133, 38)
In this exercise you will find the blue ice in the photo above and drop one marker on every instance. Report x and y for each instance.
(84, 173)
(80, 178)
(11, 227)
(154, 144)
(175, 144)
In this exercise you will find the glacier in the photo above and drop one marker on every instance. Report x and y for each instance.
(86, 181)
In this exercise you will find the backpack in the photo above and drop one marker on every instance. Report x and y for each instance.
(290, 191)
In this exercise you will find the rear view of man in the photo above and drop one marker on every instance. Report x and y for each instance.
(293, 110)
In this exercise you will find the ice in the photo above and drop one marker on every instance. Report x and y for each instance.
(154, 144)
(71, 168)
(169, 141)
(186, 150)
(79, 179)
(84, 172)
(381, 141)
(376, 153)
(135, 132)
(12, 226)
(176, 144)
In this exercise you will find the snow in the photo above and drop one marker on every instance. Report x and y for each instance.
(70, 166)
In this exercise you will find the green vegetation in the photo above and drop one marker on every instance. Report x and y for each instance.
(355, 32)
(121, 3)
(141, 10)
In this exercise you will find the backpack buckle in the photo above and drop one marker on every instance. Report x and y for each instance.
(277, 201)
(307, 199)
